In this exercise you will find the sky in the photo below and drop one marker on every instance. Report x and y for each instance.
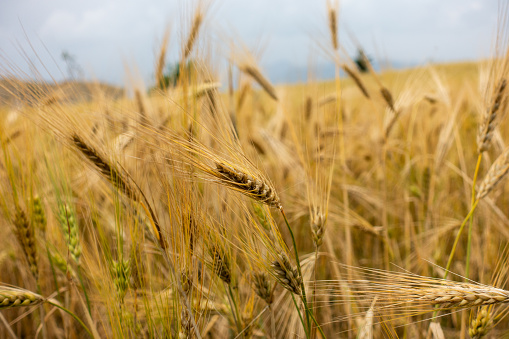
(116, 41)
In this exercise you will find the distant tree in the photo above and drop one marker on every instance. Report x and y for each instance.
(362, 60)
(173, 74)
(74, 70)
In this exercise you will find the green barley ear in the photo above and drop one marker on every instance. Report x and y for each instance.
(39, 216)
(59, 261)
(26, 237)
(260, 214)
(69, 226)
(13, 297)
(121, 272)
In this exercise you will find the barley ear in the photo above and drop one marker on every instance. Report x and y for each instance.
(495, 174)
(490, 119)
(481, 325)
(256, 188)
(262, 286)
(286, 274)
(13, 297)
(26, 237)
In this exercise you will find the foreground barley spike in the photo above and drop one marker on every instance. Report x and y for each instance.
(495, 174)
(490, 119)
(26, 237)
(262, 286)
(414, 293)
(481, 325)
(255, 188)
(14, 297)
(287, 276)
(69, 226)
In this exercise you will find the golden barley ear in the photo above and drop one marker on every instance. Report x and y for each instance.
(256, 188)
(193, 34)
(113, 175)
(496, 173)
(26, 236)
(286, 274)
(221, 264)
(254, 72)
(332, 15)
(262, 286)
(106, 170)
(490, 119)
(356, 79)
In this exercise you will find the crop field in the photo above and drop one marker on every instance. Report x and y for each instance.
(216, 205)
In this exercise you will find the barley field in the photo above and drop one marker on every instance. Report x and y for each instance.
(222, 206)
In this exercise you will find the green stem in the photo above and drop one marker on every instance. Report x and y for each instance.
(233, 305)
(72, 315)
(306, 329)
(470, 226)
(453, 250)
(451, 255)
(84, 290)
(303, 288)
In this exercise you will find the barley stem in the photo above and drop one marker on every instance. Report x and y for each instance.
(72, 315)
(303, 288)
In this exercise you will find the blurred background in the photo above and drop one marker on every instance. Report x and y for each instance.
(99, 39)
